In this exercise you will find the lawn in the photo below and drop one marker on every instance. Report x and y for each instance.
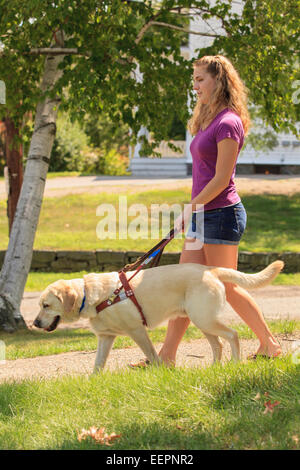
(250, 405)
(236, 406)
(70, 222)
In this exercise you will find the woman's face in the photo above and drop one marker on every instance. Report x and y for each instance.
(204, 84)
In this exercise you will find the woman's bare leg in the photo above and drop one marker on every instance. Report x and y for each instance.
(177, 327)
(240, 300)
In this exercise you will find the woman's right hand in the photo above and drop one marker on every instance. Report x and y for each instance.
(182, 221)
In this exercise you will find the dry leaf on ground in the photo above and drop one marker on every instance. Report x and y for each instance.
(99, 435)
(269, 407)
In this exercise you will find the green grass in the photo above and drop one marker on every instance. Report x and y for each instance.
(33, 343)
(63, 174)
(158, 408)
(69, 222)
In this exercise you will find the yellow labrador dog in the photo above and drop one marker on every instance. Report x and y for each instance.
(163, 292)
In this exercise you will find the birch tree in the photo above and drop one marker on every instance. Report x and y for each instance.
(90, 68)
(19, 253)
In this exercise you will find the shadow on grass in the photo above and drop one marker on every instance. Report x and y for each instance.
(35, 335)
(236, 419)
(154, 436)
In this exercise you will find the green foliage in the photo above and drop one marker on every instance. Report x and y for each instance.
(264, 45)
(75, 150)
(113, 36)
(105, 134)
(69, 145)
(112, 163)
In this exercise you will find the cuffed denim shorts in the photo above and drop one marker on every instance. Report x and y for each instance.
(223, 226)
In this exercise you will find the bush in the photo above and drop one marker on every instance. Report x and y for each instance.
(69, 143)
(73, 151)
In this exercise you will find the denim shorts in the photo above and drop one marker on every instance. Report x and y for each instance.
(223, 226)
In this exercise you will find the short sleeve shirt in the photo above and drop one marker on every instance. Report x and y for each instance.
(226, 125)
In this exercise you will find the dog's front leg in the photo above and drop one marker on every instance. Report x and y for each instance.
(140, 336)
(105, 343)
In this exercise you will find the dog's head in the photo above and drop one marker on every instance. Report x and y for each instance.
(57, 302)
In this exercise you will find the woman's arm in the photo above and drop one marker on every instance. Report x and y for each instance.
(227, 154)
(226, 158)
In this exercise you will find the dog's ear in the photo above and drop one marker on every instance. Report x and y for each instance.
(68, 297)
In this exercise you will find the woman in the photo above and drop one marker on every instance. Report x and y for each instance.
(219, 123)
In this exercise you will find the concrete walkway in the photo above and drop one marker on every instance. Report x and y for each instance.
(55, 187)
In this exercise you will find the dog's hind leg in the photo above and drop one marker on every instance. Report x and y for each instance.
(219, 329)
(105, 343)
(212, 302)
(216, 346)
(140, 336)
(212, 326)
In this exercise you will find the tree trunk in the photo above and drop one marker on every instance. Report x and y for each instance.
(18, 257)
(14, 156)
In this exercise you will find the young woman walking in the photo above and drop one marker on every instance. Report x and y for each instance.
(219, 124)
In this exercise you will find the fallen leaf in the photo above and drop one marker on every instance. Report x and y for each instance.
(99, 435)
(295, 439)
(269, 407)
(257, 396)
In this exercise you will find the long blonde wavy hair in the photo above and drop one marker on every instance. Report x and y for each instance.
(229, 91)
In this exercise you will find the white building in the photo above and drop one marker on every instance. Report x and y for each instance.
(285, 158)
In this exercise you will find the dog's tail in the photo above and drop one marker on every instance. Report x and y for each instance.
(249, 281)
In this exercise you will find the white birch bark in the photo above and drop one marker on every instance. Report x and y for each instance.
(18, 257)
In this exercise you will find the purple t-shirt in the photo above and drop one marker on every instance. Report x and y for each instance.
(204, 150)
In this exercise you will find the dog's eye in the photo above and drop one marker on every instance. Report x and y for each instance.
(46, 305)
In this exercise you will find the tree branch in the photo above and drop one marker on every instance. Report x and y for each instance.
(172, 26)
(54, 51)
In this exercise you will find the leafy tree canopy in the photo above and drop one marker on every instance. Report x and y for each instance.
(111, 37)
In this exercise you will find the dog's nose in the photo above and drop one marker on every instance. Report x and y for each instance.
(37, 323)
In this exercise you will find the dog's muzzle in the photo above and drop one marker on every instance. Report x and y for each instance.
(51, 327)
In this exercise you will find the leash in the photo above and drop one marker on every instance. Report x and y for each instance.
(152, 257)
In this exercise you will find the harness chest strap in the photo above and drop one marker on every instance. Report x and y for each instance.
(116, 297)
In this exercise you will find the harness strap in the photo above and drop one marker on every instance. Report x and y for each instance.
(153, 257)
(116, 297)
(130, 294)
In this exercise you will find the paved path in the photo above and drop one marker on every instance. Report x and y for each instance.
(196, 353)
(283, 184)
